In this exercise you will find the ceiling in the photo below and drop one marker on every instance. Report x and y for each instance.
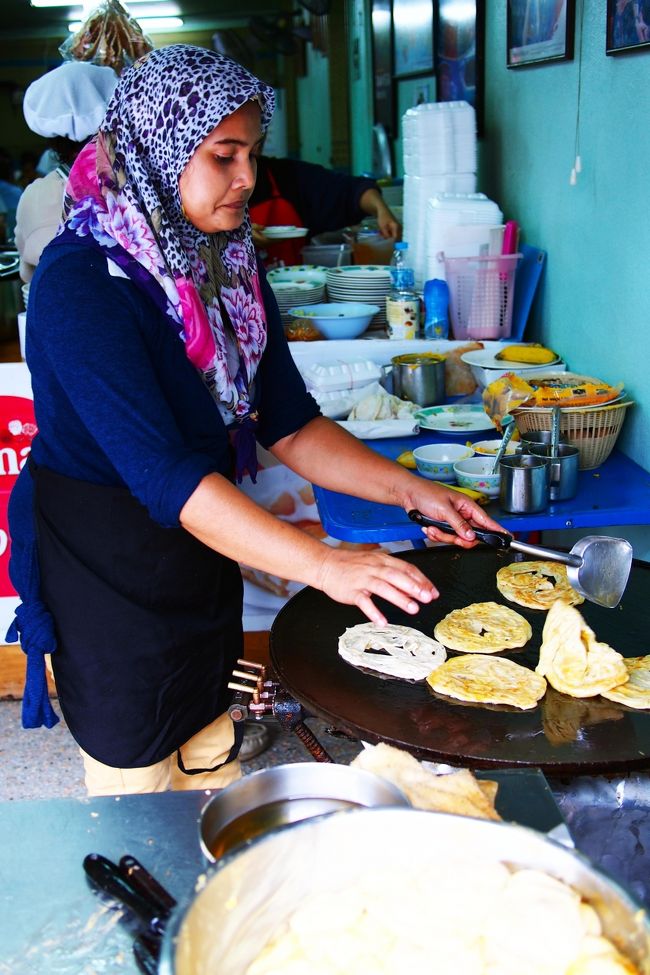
(20, 20)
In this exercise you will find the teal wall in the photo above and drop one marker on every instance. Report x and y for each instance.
(360, 68)
(314, 104)
(595, 308)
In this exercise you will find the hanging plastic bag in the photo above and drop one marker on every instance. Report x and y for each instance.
(109, 37)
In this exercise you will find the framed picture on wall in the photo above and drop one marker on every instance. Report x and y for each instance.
(382, 56)
(412, 37)
(460, 32)
(628, 25)
(540, 31)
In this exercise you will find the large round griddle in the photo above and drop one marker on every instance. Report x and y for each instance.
(562, 734)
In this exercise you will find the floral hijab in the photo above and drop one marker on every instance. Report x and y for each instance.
(123, 197)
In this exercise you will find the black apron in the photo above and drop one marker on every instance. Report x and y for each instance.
(148, 622)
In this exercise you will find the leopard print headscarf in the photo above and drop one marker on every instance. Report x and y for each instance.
(123, 197)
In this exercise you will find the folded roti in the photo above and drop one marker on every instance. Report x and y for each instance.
(571, 658)
(488, 680)
(483, 628)
(635, 692)
(398, 651)
(537, 584)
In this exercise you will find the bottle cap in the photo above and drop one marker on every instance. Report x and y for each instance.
(401, 245)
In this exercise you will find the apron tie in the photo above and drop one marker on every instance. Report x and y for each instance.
(35, 628)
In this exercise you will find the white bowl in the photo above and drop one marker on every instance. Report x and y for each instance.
(436, 460)
(490, 447)
(338, 320)
(474, 473)
(297, 273)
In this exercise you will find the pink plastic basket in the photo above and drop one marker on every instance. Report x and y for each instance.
(481, 293)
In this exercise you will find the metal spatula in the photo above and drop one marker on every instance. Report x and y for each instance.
(598, 566)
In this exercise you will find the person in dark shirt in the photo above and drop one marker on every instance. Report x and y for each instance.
(158, 360)
(289, 192)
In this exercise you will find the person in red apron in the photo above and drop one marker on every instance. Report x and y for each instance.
(289, 192)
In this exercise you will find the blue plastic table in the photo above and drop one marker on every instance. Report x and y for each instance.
(617, 493)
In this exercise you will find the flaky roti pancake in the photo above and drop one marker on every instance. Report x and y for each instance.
(483, 628)
(635, 692)
(572, 659)
(457, 792)
(537, 584)
(488, 680)
(398, 651)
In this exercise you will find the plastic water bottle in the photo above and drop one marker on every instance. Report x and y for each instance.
(399, 264)
(436, 309)
(402, 301)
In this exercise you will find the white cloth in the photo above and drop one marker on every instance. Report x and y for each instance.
(37, 220)
(69, 101)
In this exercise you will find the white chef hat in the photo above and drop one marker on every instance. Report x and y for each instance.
(69, 101)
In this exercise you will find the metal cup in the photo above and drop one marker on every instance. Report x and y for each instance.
(539, 437)
(525, 483)
(564, 469)
(419, 377)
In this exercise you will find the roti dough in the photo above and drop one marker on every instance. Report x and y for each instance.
(398, 651)
(537, 584)
(488, 680)
(635, 692)
(483, 628)
(571, 658)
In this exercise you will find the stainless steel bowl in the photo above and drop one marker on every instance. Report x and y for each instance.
(271, 798)
(250, 893)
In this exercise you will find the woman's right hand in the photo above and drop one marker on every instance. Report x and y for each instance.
(354, 577)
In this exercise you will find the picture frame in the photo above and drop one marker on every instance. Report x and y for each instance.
(412, 37)
(382, 58)
(543, 38)
(460, 47)
(628, 26)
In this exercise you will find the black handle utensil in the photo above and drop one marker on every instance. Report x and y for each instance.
(598, 566)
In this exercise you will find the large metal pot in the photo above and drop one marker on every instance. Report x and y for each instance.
(248, 894)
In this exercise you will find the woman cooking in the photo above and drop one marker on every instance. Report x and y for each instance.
(157, 359)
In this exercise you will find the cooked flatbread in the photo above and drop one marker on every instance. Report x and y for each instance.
(457, 792)
(537, 584)
(571, 658)
(399, 651)
(488, 680)
(635, 692)
(483, 628)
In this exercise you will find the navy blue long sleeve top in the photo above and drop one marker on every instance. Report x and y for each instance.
(117, 401)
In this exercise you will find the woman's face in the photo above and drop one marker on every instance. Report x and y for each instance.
(219, 178)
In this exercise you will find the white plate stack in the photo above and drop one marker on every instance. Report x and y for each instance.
(459, 225)
(361, 282)
(440, 156)
(297, 285)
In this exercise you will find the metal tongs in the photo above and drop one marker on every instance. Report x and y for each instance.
(598, 566)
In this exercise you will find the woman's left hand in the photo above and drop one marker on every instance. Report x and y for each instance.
(459, 511)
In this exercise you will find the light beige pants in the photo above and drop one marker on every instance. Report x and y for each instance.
(207, 748)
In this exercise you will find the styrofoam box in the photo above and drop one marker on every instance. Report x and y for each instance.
(347, 374)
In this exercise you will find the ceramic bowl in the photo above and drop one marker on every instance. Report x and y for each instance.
(338, 319)
(475, 473)
(490, 447)
(436, 460)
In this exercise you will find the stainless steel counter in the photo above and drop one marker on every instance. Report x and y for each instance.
(53, 923)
